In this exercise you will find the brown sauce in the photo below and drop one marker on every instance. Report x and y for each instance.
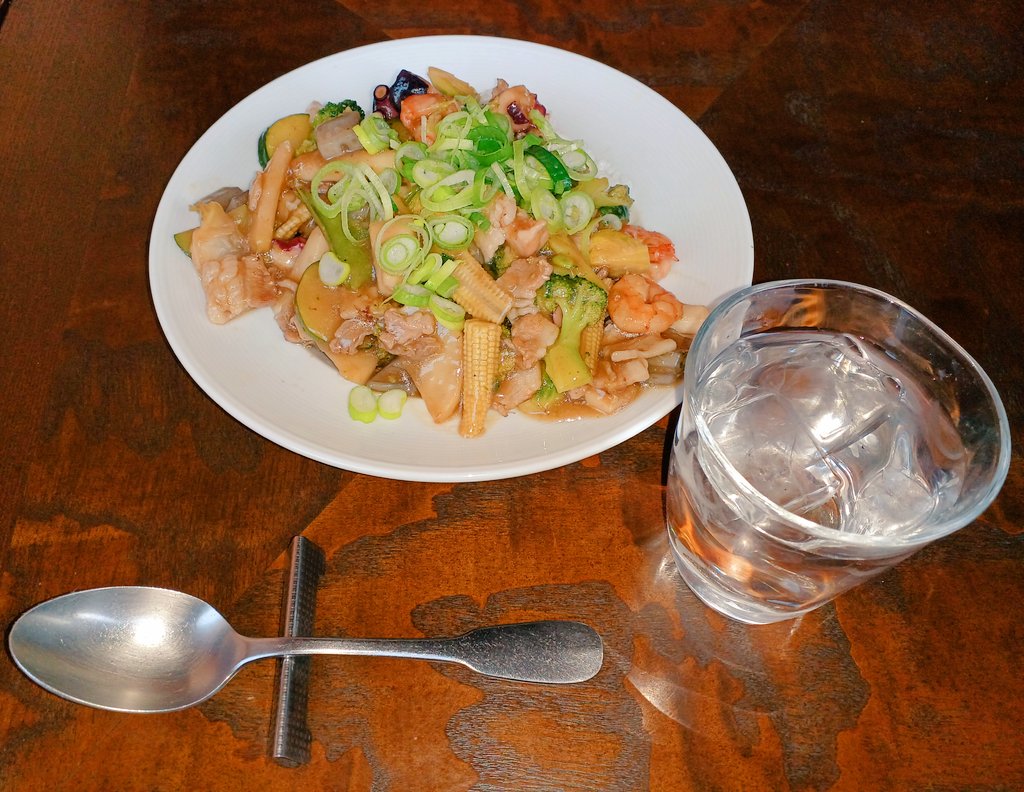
(563, 411)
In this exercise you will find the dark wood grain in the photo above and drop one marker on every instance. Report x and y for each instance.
(876, 142)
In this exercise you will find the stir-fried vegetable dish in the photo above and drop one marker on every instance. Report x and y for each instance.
(449, 246)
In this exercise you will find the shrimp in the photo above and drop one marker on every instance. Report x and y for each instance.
(500, 212)
(638, 305)
(660, 250)
(421, 112)
(233, 279)
(525, 235)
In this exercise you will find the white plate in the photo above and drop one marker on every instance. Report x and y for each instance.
(681, 184)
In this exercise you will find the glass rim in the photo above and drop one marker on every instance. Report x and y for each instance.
(940, 528)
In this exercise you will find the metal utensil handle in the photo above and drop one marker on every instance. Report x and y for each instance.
(441, 649)
(291, 737)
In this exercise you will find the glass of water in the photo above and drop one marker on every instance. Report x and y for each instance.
(827, 432)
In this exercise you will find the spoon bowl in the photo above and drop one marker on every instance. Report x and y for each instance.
(140, 649)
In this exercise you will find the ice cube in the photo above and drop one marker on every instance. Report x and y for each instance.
(769, 444)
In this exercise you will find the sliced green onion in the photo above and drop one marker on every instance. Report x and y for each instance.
(461, 159)
(431, 262)
(412, 294)
(445, 145)
(428, 172)
(345, 195)
(439, 275)
(544, 206)
(351, 198)
(610, 220)
(450, 193)
(474, 108)
(449, 314)
(490, 144)
(577, 210)
(362, 404)
(386, 208)
(391, 402)
(391, 179)
(519, 168)
(332, 270)
(452, 232)
(479, 220)
(543, 125)
(351, 194)
(328, 209)
(447, 287)
(536, 175)
(499, 120)
(451, 132)
(484, 187)
(374, 133)
(503, 180)
(578, 164)
(407, 155)
(454, 125)
(399, 253)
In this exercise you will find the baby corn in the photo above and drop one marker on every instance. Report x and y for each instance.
(481, 349)
(478, 292)
(590, 343)
(298, 218)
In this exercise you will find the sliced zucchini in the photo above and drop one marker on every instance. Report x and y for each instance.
(316, 307)
(295, 128)
(183, 239)
(314, 304)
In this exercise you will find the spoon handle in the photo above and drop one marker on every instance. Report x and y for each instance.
(555, 652)
(416, 648)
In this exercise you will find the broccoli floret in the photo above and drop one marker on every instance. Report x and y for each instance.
(335, 109)
(500, 261)
(547, 394)
(583, 302)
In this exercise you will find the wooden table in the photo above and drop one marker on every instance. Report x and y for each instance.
(874, 142)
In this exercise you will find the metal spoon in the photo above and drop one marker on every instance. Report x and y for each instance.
(137, 649)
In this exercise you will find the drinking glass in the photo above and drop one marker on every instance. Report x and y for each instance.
(828, 430)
